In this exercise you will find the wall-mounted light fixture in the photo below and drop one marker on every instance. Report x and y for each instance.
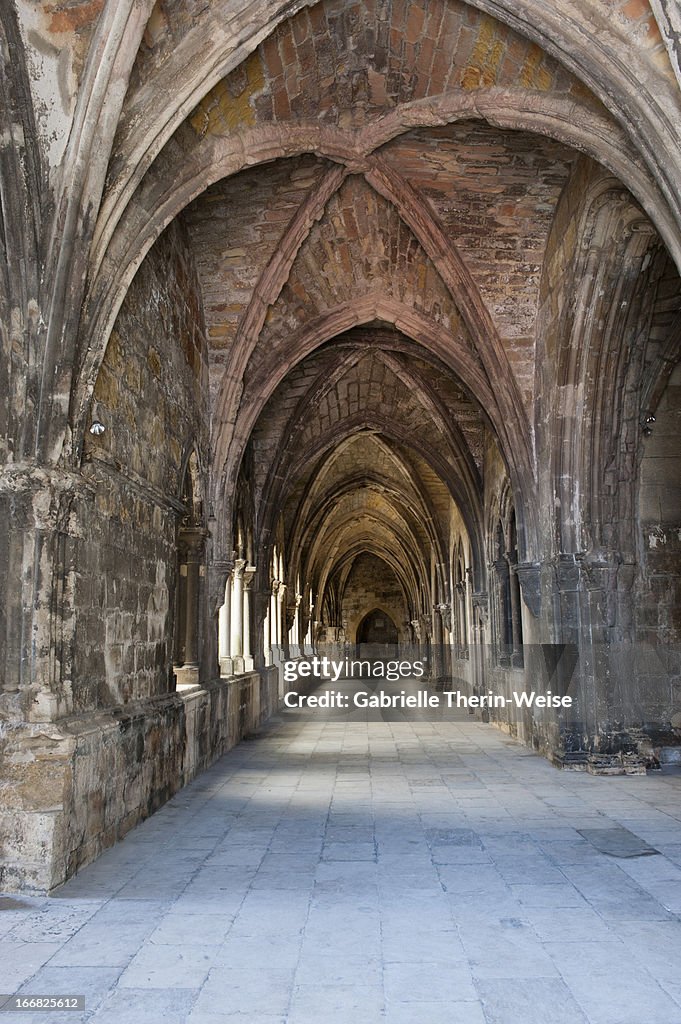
(97, 428)
(646, 426)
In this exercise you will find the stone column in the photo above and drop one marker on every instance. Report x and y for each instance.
(281, 625)
(308, 628)
(481, 639)
(516, 612)
(224, 630)
(37, 590)
(249, 574)
(237, 616)
(191, 542)
(461, 623)
(295, 643)
(267, 630)
(275, 623)
(502, 609)
(447, 645)
(438, 658)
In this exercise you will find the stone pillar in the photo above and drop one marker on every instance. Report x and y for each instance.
(415, 638)
(259, 608)
(249, 574)
(481, 639)
(217, 577)
(191, 543)
(267, 631)
(192, 608)
(224, 631)
(281, 643)
(275, 624)
(447, 646)
(237, 616)
(461, 621)
(516, 612)
(308, 628)
(37, 571)
(502, 611)
(295, 641)
(438, 634)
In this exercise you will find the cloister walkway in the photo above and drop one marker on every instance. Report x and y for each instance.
(347, 869)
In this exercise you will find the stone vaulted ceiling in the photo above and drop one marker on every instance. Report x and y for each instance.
(379, 175)
(384, 175)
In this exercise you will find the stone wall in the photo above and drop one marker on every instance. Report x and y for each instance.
(113, 742)
(149, 397)
(372, 584)
(90, 780)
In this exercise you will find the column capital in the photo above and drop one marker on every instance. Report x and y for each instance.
(481, 604)
(191, 542)
(445, 613)
(567, 572)
(529, 577)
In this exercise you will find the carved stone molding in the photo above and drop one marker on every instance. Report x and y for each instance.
(529, 576)
(481, 603)
(445, 611)
(191, 543)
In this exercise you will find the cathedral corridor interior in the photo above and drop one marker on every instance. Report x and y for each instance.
(340, 510)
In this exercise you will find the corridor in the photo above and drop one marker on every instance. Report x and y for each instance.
(346, 868)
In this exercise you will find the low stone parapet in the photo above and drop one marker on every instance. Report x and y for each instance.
(73, 788)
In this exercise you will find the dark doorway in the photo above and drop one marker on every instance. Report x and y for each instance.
(377, 635)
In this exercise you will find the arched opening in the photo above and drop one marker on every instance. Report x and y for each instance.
(377, 635)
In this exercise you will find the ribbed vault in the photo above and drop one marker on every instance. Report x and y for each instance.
(361, 450)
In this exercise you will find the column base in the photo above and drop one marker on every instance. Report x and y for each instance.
(187, 675)
(226, 668)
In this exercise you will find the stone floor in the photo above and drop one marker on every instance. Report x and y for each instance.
(363, 871)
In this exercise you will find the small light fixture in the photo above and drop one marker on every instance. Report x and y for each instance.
(97, 428)
(646, 425)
